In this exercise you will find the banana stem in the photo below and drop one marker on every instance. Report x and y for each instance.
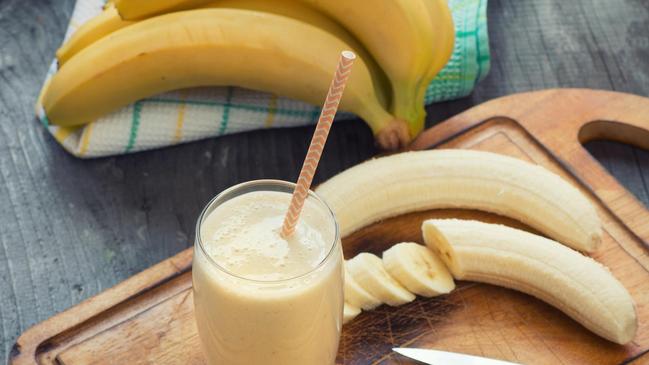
(391, 133)
(408, 104)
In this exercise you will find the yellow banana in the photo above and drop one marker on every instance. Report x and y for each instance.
(96, 28)
(300, 11)
(409, 39)
(110, 21)
(400, 35)
(444, 38)
(140, 9)
(210, 47)
(440, 16)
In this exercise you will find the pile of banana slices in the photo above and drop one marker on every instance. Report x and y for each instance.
(551, 269)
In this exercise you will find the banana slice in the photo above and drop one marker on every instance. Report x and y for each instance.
(369, 273)
(577, 285)
(356, 296)
(418, 269)
(350, 312)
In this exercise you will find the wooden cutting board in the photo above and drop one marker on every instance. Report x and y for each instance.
(148, 319)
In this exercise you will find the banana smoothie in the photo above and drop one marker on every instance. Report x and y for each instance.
(260, 298)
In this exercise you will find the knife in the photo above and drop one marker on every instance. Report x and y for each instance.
(435, 357)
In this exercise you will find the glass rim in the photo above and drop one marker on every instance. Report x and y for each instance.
(265, 182)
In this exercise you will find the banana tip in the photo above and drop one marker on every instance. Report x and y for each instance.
(595, 241)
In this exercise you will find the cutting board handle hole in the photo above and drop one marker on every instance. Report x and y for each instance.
(614, 131)
(607, 141)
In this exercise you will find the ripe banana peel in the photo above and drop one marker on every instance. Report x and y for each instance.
(415, 181)
(108, 21)
(444, 42)
(140, 9)
(212, 47)
(579, 286)
(410, 40)
(300, 11)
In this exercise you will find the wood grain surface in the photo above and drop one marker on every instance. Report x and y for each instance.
(149, 318)
(70, 228)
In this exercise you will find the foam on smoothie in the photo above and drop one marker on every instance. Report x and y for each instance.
(243, 237)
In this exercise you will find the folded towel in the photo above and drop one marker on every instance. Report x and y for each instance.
(192, 114)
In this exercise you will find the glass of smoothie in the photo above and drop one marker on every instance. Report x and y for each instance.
(260, 298)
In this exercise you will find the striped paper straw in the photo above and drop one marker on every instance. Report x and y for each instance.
(318, 142)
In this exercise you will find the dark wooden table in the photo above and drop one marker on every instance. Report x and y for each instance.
(71, 228)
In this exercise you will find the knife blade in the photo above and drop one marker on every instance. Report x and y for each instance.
(436, 357)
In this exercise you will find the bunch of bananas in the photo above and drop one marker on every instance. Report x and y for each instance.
(139, 48)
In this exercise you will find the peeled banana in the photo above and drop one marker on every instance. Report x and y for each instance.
(350, 312)
(368, 271)
(418, 269)
(576, 284)
(212, 47)
(415, 181)
(356, 296)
